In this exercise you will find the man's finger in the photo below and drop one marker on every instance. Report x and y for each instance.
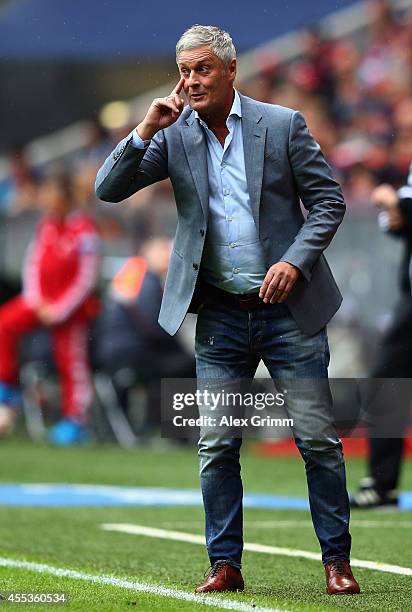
(178, 88)
(286, 292)
(179, 102)
(282, 292)
(275, 296)
(162, 102)
(272, 287)
(264, 286)
(278, 291)
(283, 297)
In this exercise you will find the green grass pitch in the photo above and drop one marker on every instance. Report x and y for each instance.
(72, 538)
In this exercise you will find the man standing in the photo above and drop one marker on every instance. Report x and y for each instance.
(248, 262)
(388, 403)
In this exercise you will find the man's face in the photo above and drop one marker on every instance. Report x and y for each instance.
(208, 83)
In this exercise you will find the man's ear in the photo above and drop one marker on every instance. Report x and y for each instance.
(232, 67)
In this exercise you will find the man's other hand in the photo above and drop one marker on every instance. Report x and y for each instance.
(162, 113)
(385, 197)
(279, 282)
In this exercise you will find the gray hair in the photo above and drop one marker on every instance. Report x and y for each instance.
(219, 41)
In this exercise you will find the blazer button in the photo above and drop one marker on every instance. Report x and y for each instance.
(202, 232)
(195, 266)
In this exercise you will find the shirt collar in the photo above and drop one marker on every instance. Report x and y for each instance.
(235, 110)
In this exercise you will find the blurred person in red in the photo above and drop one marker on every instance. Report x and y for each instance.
(60, 275)
(388, 404)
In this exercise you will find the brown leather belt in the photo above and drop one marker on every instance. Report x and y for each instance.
(244, 301)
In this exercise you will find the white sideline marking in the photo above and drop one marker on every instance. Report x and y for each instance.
(143, 587)
(192, 538)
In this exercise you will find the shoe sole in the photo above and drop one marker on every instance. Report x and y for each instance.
(218, 591)
(343, 593)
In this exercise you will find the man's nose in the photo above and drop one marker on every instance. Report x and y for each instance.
(192, 79)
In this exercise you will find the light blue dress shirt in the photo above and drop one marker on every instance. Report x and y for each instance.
(233, 257)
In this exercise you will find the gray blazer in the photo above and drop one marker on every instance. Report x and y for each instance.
(284, 165)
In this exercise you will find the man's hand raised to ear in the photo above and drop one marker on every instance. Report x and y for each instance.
(161, 113)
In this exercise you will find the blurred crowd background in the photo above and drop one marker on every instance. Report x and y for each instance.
(355, 91)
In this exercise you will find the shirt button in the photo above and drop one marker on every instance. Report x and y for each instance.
(232, 245)
(236, 270)
(195, 266)
(226, 192)
(229, 219)
(202, 232)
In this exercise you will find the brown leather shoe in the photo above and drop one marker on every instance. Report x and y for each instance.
(222, 577)
(339, 578)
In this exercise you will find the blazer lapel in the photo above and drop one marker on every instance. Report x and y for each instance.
(254, 138)
(196, 152)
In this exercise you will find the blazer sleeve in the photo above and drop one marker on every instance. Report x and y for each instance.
(320, 194)
(128, 169)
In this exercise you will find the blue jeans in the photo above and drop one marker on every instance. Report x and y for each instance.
(230, 342)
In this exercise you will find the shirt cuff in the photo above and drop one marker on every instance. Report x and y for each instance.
(138, 143)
